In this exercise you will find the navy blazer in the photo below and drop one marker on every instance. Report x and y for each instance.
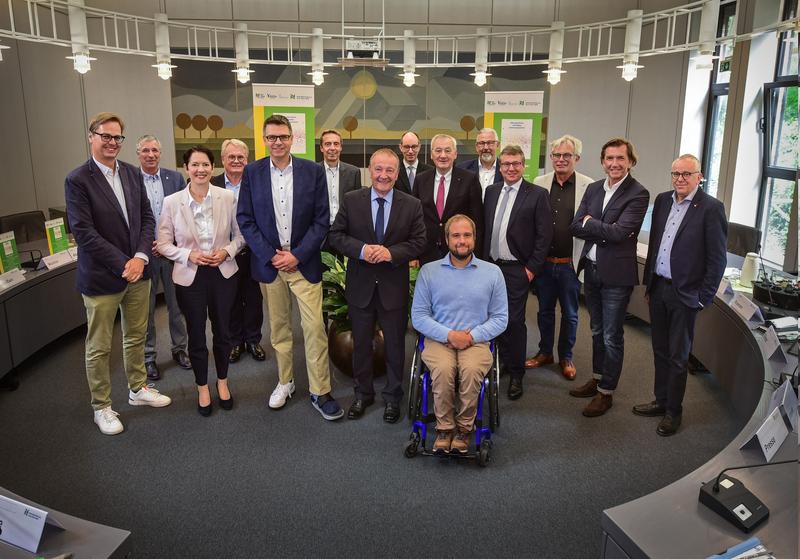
(171, 181)
(402, 183)
(613, 230)
(530, 225)
(105, 241)
(472, 165)
(405, 239)
(698, 257)
(310, 218)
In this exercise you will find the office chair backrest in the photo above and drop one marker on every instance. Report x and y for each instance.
(27, 226)
(743, 239)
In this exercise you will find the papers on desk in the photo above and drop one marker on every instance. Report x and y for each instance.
(11, 278)
(22, 525)
(750, 549)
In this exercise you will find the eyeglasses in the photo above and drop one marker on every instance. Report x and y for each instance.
(684, 175)
(236, 158)
(486, 144)
(409, 148)
(283, 138)
(108, 137)
(564, 156)
(514, 164)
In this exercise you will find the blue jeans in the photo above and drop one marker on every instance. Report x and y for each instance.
(607, 305)
(557, 283)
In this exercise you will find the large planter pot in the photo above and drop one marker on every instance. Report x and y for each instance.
(340, 350)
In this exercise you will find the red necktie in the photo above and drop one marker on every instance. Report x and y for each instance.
(440, 198)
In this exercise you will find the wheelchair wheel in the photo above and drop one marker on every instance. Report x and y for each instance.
(484, 453)
(415, 388)
(493, 397)
(412, 446)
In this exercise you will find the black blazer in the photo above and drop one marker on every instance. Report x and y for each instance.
(698, 257)
(105, 241)
(530, 225)
(405, 239)
(219, 180)
(402, 183)
(473, 166)
(614, 230)
(464, 197)
(349, 178)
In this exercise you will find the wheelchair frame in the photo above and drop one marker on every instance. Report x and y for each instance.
(420, 413)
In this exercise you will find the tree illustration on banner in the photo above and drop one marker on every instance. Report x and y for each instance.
(184, 122)
(199, 123)
(350, 124)
(215, 123)
(467, 124)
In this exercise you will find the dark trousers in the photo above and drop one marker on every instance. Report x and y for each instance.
(607, 305)
(247, 314)
(512, 343)
(209, 296)
(557, 283)
(394, 324)
(672, 330)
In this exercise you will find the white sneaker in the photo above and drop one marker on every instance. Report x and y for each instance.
(148, 396)
(107, 420)
(281, 393)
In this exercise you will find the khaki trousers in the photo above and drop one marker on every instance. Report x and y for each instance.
(470, 366)
(309, 300)
(101, 310)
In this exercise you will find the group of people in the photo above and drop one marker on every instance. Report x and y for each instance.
(482, 234)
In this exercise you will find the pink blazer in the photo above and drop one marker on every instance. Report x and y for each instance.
(177, 234)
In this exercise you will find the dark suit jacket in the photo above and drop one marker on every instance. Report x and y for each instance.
(614, 230)
(349, 178)
(405, 239)
(219, 180)
(173, 181)
(530, 225)
(402, 176)
(105, 241)
(310, 218)
(698, 257)
(464, 197)
(473, 164)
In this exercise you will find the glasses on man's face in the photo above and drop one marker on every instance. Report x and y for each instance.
(108, 137)
(682, 174)
(564, 156)
(486, 144)
(409, 147)
(511, 164)
(233, 158)
(282, 137)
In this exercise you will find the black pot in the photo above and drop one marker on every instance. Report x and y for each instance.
(340, 350)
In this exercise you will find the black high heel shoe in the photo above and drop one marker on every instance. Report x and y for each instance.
(224, 404)
(205, 411)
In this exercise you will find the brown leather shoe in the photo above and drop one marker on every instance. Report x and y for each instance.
(442, 443)
(460, 443)
(567, 369)
(585, 391)
(599, 405)
(538, 360)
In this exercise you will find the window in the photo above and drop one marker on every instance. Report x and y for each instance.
(780, 157)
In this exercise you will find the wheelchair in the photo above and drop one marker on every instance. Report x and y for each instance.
(420, 409)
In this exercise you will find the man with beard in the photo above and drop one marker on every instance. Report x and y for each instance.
(459, 306)
(486, 144)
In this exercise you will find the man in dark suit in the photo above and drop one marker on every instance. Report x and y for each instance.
(247, 316)
(380, 230)
(486, 167)
(444, 192)
(284, 217)
(110, 216)
(608, 219)
(160, 183)
(340, 177)
(411, 166)
(519, 229)
(685, 263)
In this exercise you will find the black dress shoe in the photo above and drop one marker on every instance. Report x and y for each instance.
(236, 353)
(182, 359)
(152, 371)
(651, 409)
(391, 413)
(668, 425)
(358, 408)
(205, 411)
(256, 351)
(515, 389)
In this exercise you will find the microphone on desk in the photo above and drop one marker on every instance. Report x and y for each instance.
(729, 498)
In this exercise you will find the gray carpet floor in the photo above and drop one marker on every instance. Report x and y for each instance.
(254, 482)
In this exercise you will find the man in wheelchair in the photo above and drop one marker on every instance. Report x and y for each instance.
(459, 305)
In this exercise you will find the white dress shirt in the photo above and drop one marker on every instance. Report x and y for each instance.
(155, 193)
(592, 254)
(203, 221)
(486, 176)
(332, 176)
(282, 201)
(505, 252)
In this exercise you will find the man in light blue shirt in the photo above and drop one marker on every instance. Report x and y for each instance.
(460, 305)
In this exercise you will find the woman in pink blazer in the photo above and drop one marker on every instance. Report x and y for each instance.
(198, 231)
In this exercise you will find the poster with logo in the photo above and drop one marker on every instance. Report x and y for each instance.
(516, 116)
(296, 103)
(9, 256)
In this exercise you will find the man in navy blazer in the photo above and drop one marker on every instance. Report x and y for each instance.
(686, 258)
(410, 165)
(608, 219)
(113, 225)
(284, 216)
(160, 183)
(486, 167)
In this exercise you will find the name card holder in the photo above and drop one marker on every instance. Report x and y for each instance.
(55, 260)
(725, 290)
(747, 309)
(22, 525)
(769, 436)
(784, 399)
(773, 349)
(11, 278)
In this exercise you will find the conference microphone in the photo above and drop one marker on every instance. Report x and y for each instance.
(729, 498)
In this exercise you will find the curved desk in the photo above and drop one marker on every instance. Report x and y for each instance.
(671, 522)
